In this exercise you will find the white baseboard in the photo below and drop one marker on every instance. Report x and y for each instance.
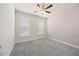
(69, 44)
(11, 49)
(28, 40)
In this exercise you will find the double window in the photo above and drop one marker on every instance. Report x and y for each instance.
(26, 24)
(41, 26)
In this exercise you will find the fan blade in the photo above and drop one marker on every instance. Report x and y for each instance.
(43, 7)
(35, 11)
(48, 11)
(49, 6)
(38, 5)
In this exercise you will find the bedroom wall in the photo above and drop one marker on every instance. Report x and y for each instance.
(7, 28)
(63, 25)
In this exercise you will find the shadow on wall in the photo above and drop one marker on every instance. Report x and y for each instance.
(64, 25)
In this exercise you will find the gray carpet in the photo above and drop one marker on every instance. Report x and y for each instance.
(43, 47)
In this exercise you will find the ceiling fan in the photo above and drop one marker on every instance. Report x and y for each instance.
(44, 8)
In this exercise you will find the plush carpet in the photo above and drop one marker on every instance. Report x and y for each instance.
(43, 47)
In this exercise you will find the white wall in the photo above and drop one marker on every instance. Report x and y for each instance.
(33, 27)
(7, 28)
(63, 25)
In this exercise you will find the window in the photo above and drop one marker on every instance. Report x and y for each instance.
(41, 26)
(25, 26)
(29, 25)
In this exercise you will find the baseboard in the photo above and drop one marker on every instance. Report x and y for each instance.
(69, 44)
(28, 40)
(11, 49)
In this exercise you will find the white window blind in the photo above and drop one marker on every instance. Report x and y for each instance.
(29, 25)
(41, 26)
(25, 26)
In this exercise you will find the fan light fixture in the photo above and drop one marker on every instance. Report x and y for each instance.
(44, 9)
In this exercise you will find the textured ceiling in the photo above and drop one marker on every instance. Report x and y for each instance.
(57, 8)
(30, 8)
